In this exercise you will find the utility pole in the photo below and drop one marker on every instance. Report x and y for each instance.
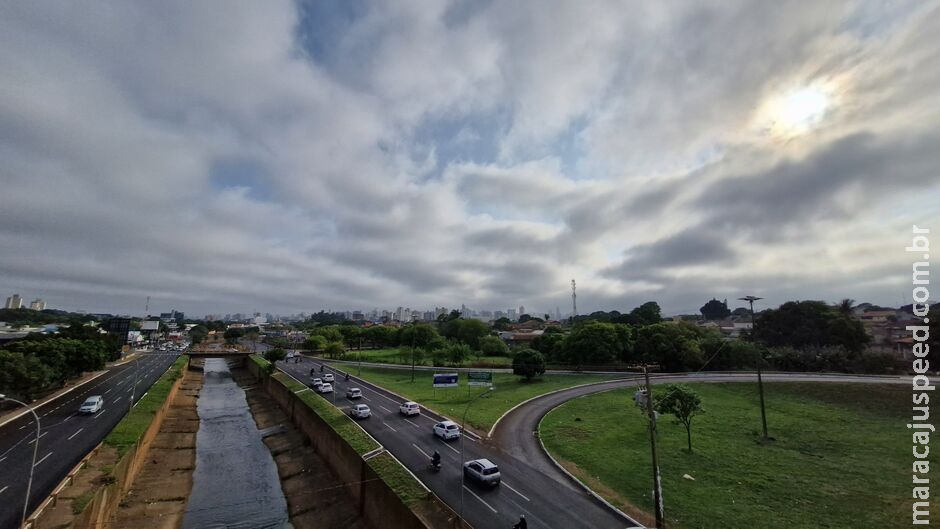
(574, 300)
(760, 360)
(414, 334)
(657, 484)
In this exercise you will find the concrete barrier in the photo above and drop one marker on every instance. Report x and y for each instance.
(379, 504)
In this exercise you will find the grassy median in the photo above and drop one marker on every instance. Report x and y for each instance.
(841, 455)
(509, 391)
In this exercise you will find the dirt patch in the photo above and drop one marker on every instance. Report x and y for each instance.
(157, 499)
(609, 494)
(315, 498)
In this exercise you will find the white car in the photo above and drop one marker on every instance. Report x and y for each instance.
(325, 388)
(360, 411)
(447, 430)
(289, 356)
(92, 404)
(316, 382)
(328, 377)
(409, 408)
(353, 393)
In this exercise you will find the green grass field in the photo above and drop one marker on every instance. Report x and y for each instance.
(841, 457)
(453, 401)
(394, 355)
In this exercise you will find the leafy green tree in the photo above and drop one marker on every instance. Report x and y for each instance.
(683, 402)
(551, 345)
(593, 342)
(502, 324)
(331, 333)
(466, 331)
(715, 310)
(381, 335)
(232, 335)
(646, 314)
(351, 335)
(198, 334)
(419, 334)
(334, 349)
(315, 343)
(493, 346)
(674, 346)
(275, 354)
(803, 324)
(528, 363)
(457, 352)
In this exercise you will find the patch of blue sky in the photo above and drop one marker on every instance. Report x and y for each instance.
(469, 138)
(876, 19)
(241, 173)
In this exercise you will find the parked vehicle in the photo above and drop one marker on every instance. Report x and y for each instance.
(92, 404)
(360, 411)
(353, 393)
(328, 377)
(447, 430)
(482, 471)
(325, 387)
(409, 408)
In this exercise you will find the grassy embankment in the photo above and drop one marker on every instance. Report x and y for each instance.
(841, 458)
(133, 426)
(509, 391)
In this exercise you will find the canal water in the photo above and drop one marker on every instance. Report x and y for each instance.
(235, 483)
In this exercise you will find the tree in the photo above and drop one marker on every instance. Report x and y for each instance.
(334, 349)
(381, 335)
(501, 324)
(681, 401)
(674, 346)
(457, 352)
(528, 363)
(593, 342)
(419, 334)
(232, 335)
(846, 306)
(493, 346)
(351, 334)
(275, 354)
(198, 334)
(715, 310)
(466, 331)
(803, 324)
(315, 343)
(331, 333)
(646, 314)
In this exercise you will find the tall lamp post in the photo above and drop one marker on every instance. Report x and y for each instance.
(136, 376)
(414, 334)
(463, 425)
(760, 360)
(29, 484)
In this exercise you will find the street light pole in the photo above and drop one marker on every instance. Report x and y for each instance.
(657, 482)
(29, 484)
(414, 334)
(463, 425)
(760, 360)
(136, 376)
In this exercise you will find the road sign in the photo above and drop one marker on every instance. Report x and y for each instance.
(445, 380)
(479, 378)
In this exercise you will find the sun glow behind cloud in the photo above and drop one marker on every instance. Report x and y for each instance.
(796, 112)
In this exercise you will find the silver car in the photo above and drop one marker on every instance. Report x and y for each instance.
(482, 471)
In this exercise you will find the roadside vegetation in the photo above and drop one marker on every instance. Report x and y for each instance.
(508, 391)
(836, 459)
(132, 427)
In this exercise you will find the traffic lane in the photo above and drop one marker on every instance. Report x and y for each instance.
(67, 441)
(410, 439)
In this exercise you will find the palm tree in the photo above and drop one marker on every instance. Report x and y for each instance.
(846, 306)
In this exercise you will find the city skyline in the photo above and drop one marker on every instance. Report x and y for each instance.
(354, 155)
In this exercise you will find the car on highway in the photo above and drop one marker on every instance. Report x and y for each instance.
(353, 393)
(316, 382)
(409, 408)
(360, 411)
(325, 387)
(483, 471)
(447, 430)
(328, 377)
(289, 356)
(92, 404)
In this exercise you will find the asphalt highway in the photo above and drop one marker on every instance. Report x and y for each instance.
(65, 436)
(546, 502)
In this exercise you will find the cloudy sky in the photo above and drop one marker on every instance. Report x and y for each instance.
(283, 157)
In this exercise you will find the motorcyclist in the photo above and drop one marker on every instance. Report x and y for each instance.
(347, 377)
(522, 524)
(321, 368)
(436, 459)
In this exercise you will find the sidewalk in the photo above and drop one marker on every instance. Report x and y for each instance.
(15, 413)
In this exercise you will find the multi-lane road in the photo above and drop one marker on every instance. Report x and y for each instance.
(66, 437)
(544, 500)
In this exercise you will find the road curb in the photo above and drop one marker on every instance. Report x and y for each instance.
(587, 489)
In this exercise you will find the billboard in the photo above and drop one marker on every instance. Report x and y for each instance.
(445, 380)
(479, 378)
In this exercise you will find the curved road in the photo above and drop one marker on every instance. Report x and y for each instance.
(516, 433)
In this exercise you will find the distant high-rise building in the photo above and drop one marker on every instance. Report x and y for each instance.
(14, 302)
(522, 310)
(558, 313)
(37, 304)
(512, 314)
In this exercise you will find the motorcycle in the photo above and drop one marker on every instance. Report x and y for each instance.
(434, 467)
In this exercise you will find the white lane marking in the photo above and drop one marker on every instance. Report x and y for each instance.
(2, 458)
(447, 445)
(389, 427)
(413, 423)
(384, 408)
(481, 500)
(109, 391)
(4, 488)
(74, 434)
(99, 414)
(468, 437)
(21, 427)
(367, 398)
(419, 449)
(516, 491)
(69, 417)
(43, 434)
(43, 459)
